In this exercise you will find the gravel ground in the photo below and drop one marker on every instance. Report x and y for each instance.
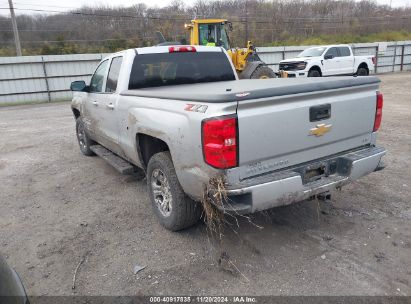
(58, 207)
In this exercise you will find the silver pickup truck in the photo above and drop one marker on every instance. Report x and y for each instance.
(181, 114)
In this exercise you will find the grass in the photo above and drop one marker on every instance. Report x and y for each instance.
(214, 194)
(284, 39)
(343, 38)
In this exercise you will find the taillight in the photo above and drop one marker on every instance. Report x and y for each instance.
(378, 111)
(374, 60)
(181, 49)
(220, 141)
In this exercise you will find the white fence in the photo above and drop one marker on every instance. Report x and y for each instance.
(391, 56)
(48, 78)
(43, 78)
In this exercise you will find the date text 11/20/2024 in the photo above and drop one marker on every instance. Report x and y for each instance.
(203, 299)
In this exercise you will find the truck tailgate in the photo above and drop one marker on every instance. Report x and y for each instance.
(286, 130)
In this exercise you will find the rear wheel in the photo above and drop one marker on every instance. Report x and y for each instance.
(314, 73)
(362, 72)
(263, 72)
(83, 140)
(174, 209)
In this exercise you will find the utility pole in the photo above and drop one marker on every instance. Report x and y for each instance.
(15, 30)
(246, 22)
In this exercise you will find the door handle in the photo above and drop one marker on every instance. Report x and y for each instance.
(110, 106)
(320, 112)
(95, 103)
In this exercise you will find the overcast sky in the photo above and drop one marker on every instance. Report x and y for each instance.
(64, 5)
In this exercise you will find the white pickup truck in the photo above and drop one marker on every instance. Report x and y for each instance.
(181, 114)
(331, 60)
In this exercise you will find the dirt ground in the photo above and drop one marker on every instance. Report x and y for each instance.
(58, 207)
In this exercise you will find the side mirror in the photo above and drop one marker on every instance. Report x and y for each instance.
(329, 56)
(79, 85)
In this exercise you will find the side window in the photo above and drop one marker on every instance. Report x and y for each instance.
(332, 51)
(113, 74)
(96, 83)
(344, 51)
(203, 31)
(207, 33)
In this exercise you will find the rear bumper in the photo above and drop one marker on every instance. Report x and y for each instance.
(291, 185)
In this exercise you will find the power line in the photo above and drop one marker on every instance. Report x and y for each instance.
(254, 29)
(39, 31)
(85, 7)
(81, 40)
(65, 30)
(152, 37)
(39, 5)
(98, 15)
(330, 19)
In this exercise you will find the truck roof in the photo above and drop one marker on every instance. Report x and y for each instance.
(166, 49)
(329, 45)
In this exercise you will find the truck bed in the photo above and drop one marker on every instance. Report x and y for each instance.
(227, 91)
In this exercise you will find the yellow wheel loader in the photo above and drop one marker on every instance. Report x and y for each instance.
(214, 32)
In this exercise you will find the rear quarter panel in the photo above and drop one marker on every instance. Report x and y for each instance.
(180, 129)
(366, 59)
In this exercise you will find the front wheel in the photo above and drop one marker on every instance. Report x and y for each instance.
(362, 72)
(174, 209)
(263, 72)
(314, 73)
(83, 140)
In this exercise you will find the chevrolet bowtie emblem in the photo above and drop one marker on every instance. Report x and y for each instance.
(320, 130)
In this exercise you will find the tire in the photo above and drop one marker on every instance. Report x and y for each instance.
(263, 72)
(83, 139)
(174, 209)
(362, 72)
(314, 73)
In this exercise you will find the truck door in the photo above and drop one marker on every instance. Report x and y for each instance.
(331, 62)
(91, 115)
(108, 125)
(346, 60)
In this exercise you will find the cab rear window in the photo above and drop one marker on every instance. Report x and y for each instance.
(155, 70)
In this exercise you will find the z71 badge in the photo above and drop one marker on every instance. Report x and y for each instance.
(196, 108)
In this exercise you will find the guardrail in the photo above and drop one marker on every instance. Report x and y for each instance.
(47, 78)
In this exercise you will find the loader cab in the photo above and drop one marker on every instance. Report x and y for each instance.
(204, 31)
